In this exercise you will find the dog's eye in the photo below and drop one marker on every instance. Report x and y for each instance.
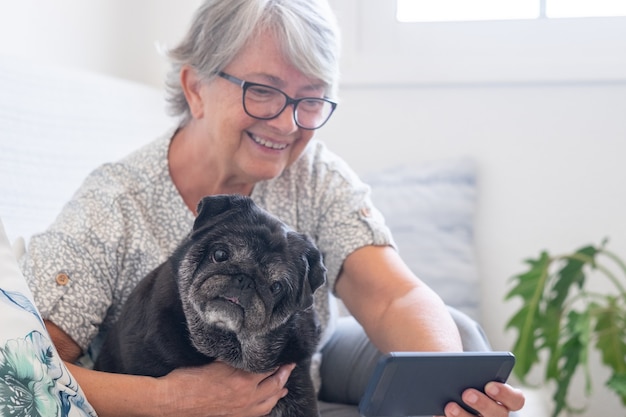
(219, 255)
(276, 288)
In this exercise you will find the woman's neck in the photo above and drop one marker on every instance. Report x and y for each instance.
(195, 176)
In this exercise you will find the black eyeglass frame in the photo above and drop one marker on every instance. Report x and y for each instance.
(288, 100)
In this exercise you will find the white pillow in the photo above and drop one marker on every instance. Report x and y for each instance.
(430, 209)
(33, 379)
(57, 125)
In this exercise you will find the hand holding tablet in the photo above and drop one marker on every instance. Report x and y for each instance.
(422, 383)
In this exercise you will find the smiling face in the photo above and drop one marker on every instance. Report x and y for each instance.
(235, 147)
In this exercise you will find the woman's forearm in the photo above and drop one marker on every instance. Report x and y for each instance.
(398, 312)
(432, 327)
(120, 395)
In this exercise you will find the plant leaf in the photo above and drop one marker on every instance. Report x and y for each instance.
(524, 348)
(610, 330)
(617, 382)
(529, 287)
(568, 279)
(571, 274)
(551, 333)
(574, 352)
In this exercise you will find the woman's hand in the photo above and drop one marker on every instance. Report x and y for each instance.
(499, 400)
(220, 390)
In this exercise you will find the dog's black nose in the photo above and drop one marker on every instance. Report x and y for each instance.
(245, 282)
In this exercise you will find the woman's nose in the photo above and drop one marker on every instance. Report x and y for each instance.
(285, 122)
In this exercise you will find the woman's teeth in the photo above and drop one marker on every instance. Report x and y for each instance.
(268, 144)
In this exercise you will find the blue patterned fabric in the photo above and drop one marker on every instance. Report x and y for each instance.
(33, 379)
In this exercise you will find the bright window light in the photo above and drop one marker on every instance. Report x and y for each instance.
(464, 10)
(585, 8)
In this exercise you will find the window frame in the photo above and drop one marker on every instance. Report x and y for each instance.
(380, 50)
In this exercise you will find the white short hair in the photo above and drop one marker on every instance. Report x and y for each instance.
(307, 30)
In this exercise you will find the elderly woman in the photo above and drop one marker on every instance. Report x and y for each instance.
(251, 82)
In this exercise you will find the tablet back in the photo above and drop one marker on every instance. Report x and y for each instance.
(421, 384)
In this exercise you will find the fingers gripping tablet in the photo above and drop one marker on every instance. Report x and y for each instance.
(421, 384)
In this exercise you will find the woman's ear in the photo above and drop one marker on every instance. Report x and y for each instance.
(191, 84)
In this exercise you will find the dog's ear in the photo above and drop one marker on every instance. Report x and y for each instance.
(212, 206)
(315, 275)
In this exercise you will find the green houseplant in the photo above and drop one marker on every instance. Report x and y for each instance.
(564, 317)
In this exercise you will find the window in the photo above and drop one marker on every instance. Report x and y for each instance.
(380, 50)
(463, 10)
(466, 10)
(585, 8)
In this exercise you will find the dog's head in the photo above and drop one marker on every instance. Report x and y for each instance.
(243, 270)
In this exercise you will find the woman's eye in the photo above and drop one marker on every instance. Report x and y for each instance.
(261, 93)
(276, 288)
(219, 255)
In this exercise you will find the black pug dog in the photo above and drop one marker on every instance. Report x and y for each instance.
(239, 289)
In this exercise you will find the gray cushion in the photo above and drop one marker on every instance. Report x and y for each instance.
(430, 210)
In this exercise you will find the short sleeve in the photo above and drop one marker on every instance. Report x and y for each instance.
(349, 219)
(71, 267)
(125, 219)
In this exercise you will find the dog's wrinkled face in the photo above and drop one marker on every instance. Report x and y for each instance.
(242, 270)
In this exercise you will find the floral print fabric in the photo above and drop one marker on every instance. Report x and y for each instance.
(33, 379)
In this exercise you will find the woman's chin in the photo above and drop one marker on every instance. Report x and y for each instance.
(256, 171)
(268, 174)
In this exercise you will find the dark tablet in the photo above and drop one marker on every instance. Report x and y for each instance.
(421, 384)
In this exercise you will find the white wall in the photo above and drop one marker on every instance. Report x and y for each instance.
(117, 37)
(550, 150)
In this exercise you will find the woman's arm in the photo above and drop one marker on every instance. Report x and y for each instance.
(401, 313)
(210, 390)
(388, 299)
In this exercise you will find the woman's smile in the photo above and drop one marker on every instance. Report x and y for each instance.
(266, 143)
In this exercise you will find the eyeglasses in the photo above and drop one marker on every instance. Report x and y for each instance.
(265, 103)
